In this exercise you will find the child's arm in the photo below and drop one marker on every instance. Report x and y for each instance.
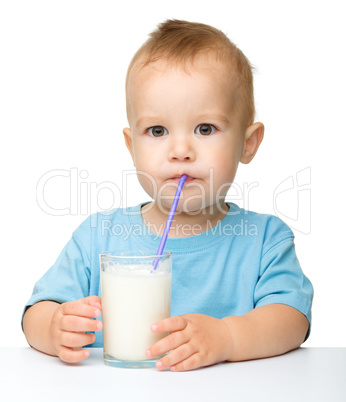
(59, 329)
(199, 340)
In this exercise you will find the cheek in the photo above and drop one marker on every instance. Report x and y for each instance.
(146, 168)
(223, 172)
(147, 182)
(143, 158)
(224, 164)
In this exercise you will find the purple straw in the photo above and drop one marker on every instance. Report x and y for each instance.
(169, 219)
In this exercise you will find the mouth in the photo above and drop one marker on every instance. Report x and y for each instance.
(177, 178)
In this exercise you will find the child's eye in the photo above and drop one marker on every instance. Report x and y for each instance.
(157, 131)
(205, 129)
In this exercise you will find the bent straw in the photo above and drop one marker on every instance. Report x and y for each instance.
(169, 220)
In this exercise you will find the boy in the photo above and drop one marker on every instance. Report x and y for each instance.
(235, 296)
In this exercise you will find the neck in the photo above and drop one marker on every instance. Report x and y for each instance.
(184, 224)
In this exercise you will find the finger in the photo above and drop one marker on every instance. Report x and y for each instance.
(94, 301)
(171, 324)
(167, 343)
(178, 355)
(80, 309)
(74, 323)
(72, 356)
(191, 363)
(76, 340)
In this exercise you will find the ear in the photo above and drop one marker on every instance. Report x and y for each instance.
(128, 142)
(252, 140)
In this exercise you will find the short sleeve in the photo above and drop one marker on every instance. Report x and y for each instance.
(282, 279)
(67, 280)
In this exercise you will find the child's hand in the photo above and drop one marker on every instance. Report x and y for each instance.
(195, 340)
(68, 326)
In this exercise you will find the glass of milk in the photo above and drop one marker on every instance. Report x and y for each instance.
(134, 296)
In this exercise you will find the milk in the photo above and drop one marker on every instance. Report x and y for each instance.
(133, 298)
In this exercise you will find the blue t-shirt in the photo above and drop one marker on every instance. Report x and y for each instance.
(247, 260)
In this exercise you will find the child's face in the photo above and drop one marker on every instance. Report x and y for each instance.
(185, 123)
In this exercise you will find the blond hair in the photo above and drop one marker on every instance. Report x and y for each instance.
(179, 42)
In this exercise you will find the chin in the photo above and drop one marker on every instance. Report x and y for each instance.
(188, 206)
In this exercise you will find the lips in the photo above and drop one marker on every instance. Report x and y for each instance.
(178, 177)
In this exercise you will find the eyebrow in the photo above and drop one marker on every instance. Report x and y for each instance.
(213, 116)
(203, 118)
(148, 120)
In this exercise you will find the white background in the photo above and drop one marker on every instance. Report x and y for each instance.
(62, 107)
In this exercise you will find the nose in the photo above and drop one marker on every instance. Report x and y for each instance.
(181, 149)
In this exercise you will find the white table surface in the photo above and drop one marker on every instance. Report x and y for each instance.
(306, 374)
